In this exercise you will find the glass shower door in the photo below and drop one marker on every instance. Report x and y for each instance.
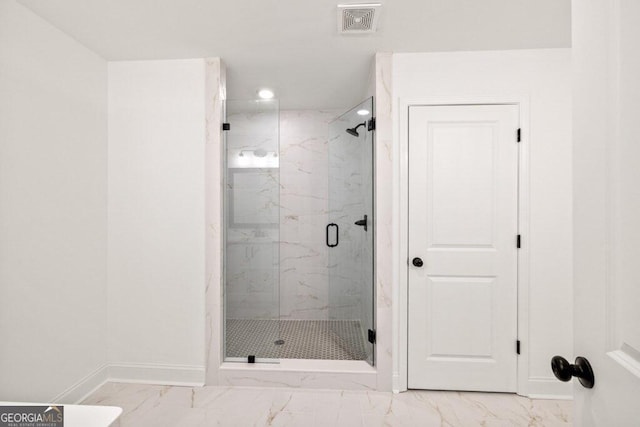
(252, 232)
(350, 233)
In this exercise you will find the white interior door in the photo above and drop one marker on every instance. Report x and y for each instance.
(463, 226)
(606, 44)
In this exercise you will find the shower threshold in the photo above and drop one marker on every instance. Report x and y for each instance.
(303, 339)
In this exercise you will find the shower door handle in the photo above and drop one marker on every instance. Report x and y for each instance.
(337, 234)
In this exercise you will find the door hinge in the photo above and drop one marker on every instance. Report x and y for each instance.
(518, 242)
(518, 346)
(371, 336)
(226, 126)
(372, 124)
(518, 135)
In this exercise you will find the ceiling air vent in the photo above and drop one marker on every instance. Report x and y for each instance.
(358, 18)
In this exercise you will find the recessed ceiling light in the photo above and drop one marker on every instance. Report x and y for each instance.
(363, 112)
(265, 93)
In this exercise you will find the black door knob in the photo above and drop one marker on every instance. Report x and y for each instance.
(564, 371)
(417, 262)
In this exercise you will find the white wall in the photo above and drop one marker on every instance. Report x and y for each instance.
(542, 79)
(53, 197)
(156, 261)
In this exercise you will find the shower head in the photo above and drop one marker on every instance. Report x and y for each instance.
(354, 131)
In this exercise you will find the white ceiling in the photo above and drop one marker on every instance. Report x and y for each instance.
(293, 45)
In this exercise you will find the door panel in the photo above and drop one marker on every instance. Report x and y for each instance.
(459, 330)
(462, 203)
(463, 195)
(606, 42)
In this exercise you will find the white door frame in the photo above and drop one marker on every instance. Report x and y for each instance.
(401, 343)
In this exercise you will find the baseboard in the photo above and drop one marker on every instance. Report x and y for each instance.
(549, 388)
(193, 376)
(178, 375)
(84, 387)
(397, 385)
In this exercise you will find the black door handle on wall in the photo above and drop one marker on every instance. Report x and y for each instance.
(564, 371)
(337, 235)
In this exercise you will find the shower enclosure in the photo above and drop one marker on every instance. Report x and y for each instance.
(299, 230)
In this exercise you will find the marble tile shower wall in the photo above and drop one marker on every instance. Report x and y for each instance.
(270, 275)
(252, 218)
(304, 200)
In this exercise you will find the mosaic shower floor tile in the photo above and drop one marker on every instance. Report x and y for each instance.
(296, 339)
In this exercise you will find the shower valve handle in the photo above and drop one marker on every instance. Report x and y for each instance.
(362, 223)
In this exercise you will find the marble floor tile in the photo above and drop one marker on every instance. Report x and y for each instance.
(154, 405)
